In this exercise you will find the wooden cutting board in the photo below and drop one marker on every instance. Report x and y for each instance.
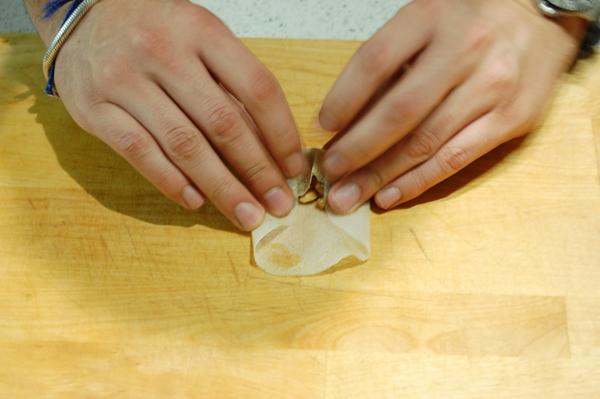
(488, 286)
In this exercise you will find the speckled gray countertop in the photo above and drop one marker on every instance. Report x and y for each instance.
(323, 19)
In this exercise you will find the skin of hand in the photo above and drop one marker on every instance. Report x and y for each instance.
(441, 84)
(169, 87)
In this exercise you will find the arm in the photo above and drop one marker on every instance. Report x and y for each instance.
(46, 28)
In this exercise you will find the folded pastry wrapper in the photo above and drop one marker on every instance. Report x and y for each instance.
(310, 240)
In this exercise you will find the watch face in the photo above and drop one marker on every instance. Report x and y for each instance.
(573, 5)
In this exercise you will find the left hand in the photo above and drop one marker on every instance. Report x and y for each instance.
(478, 74)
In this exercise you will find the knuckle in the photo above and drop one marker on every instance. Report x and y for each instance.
(90, 105)
(149, 41)
(203, 18)
(453, 159)
(528, 123)
(517, 115)
(376, 177)
(501, 75)
(83, 117)
(183, 143)
(176, 66)
(478, 37)
(405, 109)
(425, 3)
(116, 71)
(374, 56)
(420, 185)
(522, 117)
(442, 123)
(357, 155)
(423, 144)
(256, 172)
(84, 123)
(169, 182)
(331, 113)
(412, 185)
(221, 190)
(132, 145)
(430, 3)
(430, 8)
(223, 121)
(263, 86)
(90, 114)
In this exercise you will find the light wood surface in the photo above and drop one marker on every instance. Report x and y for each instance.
(489, 286)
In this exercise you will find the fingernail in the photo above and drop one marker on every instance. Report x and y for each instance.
(192, 198)
(327, 120)
(388, 197)
(294, 164)
(278, 202)
(334, 166)
(248, 215)
(345, 198)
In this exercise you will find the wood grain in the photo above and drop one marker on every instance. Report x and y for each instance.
(486, 286)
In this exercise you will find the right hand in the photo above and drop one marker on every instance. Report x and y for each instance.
(172, 90)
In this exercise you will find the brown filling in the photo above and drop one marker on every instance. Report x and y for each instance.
(315, 194)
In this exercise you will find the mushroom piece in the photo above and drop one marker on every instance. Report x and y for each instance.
(308, 197)
(314, 194)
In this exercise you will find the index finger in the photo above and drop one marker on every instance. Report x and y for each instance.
(374, 63)
(257, 89)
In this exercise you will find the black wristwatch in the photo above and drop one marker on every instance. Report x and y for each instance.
(586, 9)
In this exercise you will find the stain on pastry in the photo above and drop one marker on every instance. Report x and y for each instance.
(267, 239)
(280, 255)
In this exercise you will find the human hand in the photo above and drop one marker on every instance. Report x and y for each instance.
(477, 75)
(159, 82)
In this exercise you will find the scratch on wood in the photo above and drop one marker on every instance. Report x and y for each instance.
(567, 344)
(544, 334)
(132, 243)
(209, 310)
(106, 248)
(297, 298)
(596, 136)
(233, 268)
(412, 232)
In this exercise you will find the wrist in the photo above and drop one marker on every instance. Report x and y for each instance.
(73, 16)
(574, 26)
(46, 27)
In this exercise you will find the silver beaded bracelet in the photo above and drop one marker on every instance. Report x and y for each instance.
(63, 34)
